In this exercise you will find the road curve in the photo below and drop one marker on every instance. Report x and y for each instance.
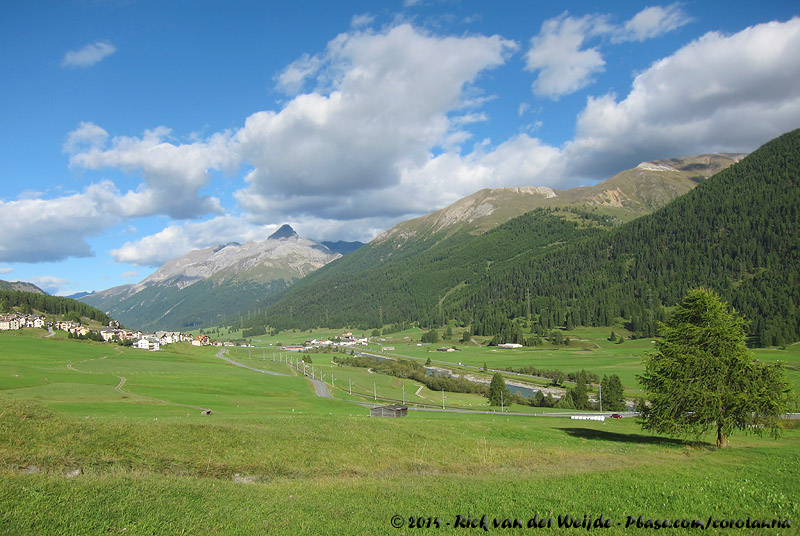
(221, 355)
(319, 386)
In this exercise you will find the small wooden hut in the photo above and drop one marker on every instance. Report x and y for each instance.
(392, 410)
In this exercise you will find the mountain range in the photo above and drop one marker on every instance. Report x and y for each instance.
(505, 259)
(207, 284)
(410, 271)
(591, 256)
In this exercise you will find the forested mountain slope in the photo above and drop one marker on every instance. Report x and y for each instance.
(411, 271)
(737, 233)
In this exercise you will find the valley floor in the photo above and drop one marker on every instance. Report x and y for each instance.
(82, 454)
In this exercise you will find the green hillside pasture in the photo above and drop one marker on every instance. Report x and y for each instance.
(339, 474)
(591, 351)
(597, 355)
(98, 379)
(76, 457)
(366, 384)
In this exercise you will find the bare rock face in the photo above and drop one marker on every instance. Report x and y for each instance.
(283, 252)
(284, 255)
(626, 195)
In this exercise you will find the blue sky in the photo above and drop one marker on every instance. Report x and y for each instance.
(135, 131)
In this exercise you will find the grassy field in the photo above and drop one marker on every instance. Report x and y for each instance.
(590, 350)
(80, 454)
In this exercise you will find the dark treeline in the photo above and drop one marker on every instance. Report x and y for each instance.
(30, 302)
(556, 376)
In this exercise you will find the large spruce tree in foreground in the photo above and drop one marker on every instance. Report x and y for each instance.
(703, 377)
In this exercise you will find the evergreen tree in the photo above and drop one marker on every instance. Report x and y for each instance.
(448, 333)
(498, 392)
(613, 394)
(566, 401)
(431, 336)
(703, 377)
(580, 395)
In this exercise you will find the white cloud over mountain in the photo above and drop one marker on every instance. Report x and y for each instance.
(718, 93)
(380, 132)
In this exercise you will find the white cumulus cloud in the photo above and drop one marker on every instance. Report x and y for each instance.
(652, 22)
(718, 93)
(562, 59)
(88, 55)
(382, 103)
(177, 239)
(38, 230)
(558, 55)
(49, 283)
(173, 173)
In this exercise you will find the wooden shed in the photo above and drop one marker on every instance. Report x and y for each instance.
(393, 410)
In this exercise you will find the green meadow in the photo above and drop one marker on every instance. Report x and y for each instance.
(97, 439)
(590, 349)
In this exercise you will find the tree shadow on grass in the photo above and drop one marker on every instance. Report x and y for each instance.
(602, 435)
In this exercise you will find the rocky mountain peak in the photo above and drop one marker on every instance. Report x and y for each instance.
(283, 233)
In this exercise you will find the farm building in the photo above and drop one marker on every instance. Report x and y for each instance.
(393, 410)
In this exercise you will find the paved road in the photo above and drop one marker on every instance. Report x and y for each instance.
(221, 355)
(321, 388)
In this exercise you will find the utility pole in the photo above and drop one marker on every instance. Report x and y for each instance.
(374, 391)
(501, 402)
(442, 398)
(351, 385)
(404, 394)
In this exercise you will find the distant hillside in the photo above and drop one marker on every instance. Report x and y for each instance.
(412, 270)
(39, 302)
(206, 285)
(625, 196)
(21, 286)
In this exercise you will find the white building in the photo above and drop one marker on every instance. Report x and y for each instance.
(9, 322)
(148, 344)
